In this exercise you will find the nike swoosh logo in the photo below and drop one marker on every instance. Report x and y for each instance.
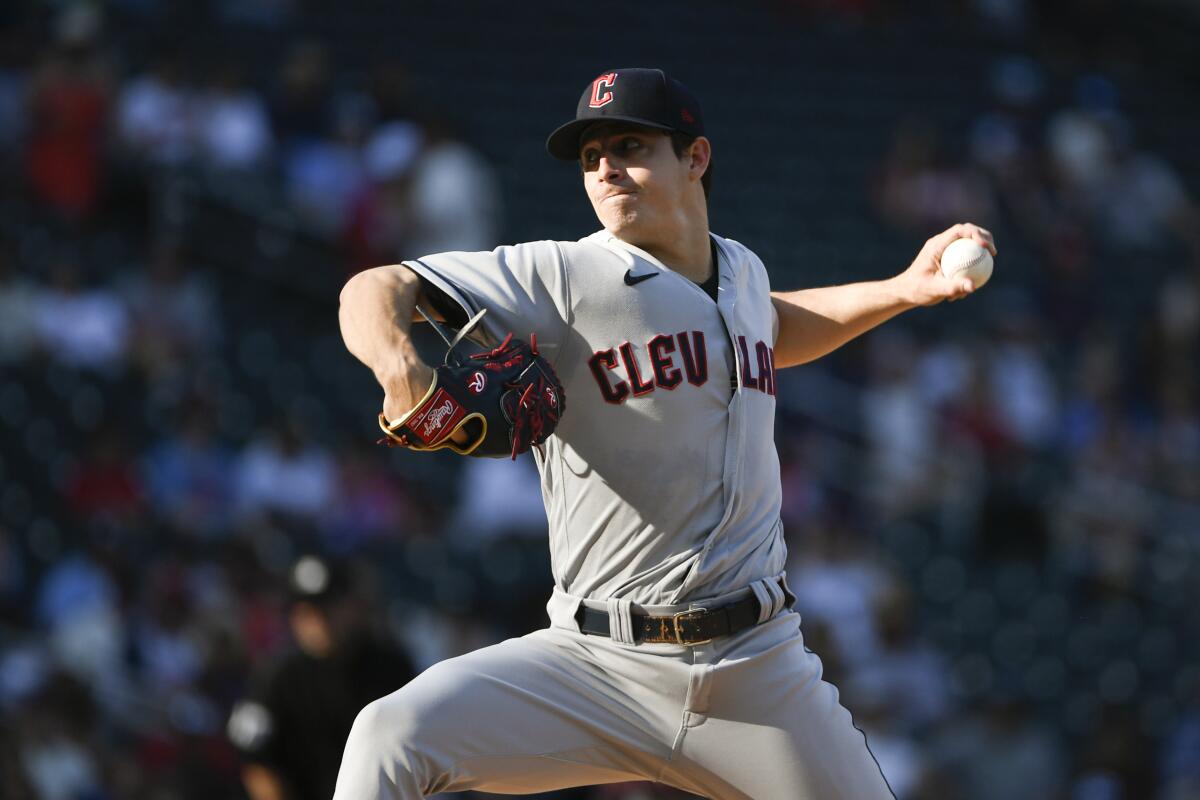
(630, 280)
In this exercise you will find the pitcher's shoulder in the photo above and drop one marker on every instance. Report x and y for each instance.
(741, 256)
(734, 248)
(588, 245)
(591, 251)
(539, 249)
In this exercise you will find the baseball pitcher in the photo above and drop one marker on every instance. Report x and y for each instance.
(638, 364)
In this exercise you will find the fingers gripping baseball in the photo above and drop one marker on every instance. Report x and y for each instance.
(926, 283)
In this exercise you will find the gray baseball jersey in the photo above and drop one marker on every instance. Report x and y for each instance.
(661, 482)
(662, 490)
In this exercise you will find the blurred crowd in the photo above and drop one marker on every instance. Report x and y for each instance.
(357, 160)
(996, 557)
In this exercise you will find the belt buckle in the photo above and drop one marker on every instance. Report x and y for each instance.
(680, 616)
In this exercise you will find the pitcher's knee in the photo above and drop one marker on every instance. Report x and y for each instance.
(375, 722)
(391, 735)
(388, 724)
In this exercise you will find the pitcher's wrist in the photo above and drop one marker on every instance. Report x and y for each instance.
(404, 387)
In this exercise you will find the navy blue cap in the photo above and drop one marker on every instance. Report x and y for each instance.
(647, 97)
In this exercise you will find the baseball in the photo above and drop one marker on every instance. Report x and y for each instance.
(966, 258)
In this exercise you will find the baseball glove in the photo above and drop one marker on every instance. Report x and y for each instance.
(505, 400)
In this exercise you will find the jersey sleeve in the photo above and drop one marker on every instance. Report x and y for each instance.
(524, 288)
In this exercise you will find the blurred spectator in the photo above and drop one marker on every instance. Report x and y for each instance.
(325, 176)
(68, 107)
(75, 585)
(233, 129)
(13, 88)
(1115, 763)
(1178, 446)
(896, 694)
(383, 218)
(1004, 142)
(78, 604)
(838, 581)
(1021, 384)
(262, 621)
(1002, 138)
(54, 746)
(166, 641)
(1012, 514)
(900, 760)
(284, 473)
(1008, 18)
(803, 492)
(1002, 752)
(455, 197)
(391, 88)
(372, 504)
(188, 476)
(1135, 199)
(17, 298)
(1093, 394)
(13, 781)
(1080, 149)
(907, 678)
(435, 633)
(922, 189)
(1104, 513)
(301, 107)
(292, 729)
(268, 14)
(1178, 316)
(156, 114)
(173, 308)
(499, 498)
(1179, 759)
(13, 583)
(899, 427)
(85, 327)
(1068, 289)
(1145, 204)
(105, 485)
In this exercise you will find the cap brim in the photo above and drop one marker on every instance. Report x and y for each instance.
(564, 142)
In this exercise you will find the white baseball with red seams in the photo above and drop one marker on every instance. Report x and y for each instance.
(966, 258)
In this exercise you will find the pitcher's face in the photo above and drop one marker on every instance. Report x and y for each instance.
(634, 180)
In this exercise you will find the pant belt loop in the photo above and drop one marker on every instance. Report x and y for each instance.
(620, 620)
(770, 598)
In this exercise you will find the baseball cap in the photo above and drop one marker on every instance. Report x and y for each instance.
(647, 97)
(316, 580)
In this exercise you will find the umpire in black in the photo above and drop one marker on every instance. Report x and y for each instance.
(292, 727)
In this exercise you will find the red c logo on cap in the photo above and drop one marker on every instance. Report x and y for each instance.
(602, 90)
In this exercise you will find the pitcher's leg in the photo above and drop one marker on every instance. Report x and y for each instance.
(770, 728)
(524, 716)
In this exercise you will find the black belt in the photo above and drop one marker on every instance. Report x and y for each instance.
(694, 626)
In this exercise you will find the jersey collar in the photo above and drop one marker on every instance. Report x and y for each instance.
(606, 239)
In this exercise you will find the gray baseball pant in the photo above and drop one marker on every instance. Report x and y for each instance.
(745, 716)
